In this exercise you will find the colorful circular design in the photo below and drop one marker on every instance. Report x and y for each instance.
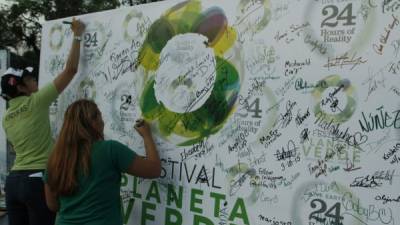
(348, 89)
(134, 14)
(187, 19)
(57, 28)
(186, 74)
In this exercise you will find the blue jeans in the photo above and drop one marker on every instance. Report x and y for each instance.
(25, 199)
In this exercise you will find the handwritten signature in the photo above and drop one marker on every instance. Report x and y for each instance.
(386, 199)
(287, 117)
(384, 37)
(345, 60)
(374, 83)
(396, 46)
(367, 182)
(350, 166)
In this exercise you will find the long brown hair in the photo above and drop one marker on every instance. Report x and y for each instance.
(71, 152)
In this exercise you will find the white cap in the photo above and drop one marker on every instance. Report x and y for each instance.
(15, 72)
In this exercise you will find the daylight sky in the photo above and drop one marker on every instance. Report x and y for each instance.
(3, 2)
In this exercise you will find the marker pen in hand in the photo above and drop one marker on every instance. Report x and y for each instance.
(139, 123)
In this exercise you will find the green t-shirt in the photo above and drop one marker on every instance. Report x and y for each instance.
(27, 126)
(97, 201)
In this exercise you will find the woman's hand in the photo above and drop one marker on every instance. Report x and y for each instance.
(77, 27)
(143, 128)
(149, 166)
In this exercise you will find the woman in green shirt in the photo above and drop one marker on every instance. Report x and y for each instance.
(84, 171)
(27, 127)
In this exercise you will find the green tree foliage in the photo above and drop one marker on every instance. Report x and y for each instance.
(20, 26)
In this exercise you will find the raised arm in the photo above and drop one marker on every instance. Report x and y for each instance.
(71, 67)
(149, 166)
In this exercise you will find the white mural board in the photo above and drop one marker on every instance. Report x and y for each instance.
(264, 111)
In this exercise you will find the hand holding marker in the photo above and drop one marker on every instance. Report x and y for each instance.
(143, 128)
(77, 28)
(139, 123)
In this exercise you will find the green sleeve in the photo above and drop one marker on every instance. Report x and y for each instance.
(121, 155)
(46, 95)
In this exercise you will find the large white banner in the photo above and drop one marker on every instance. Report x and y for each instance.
(282, 112)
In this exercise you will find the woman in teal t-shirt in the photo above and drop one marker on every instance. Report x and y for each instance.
(84, 171)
